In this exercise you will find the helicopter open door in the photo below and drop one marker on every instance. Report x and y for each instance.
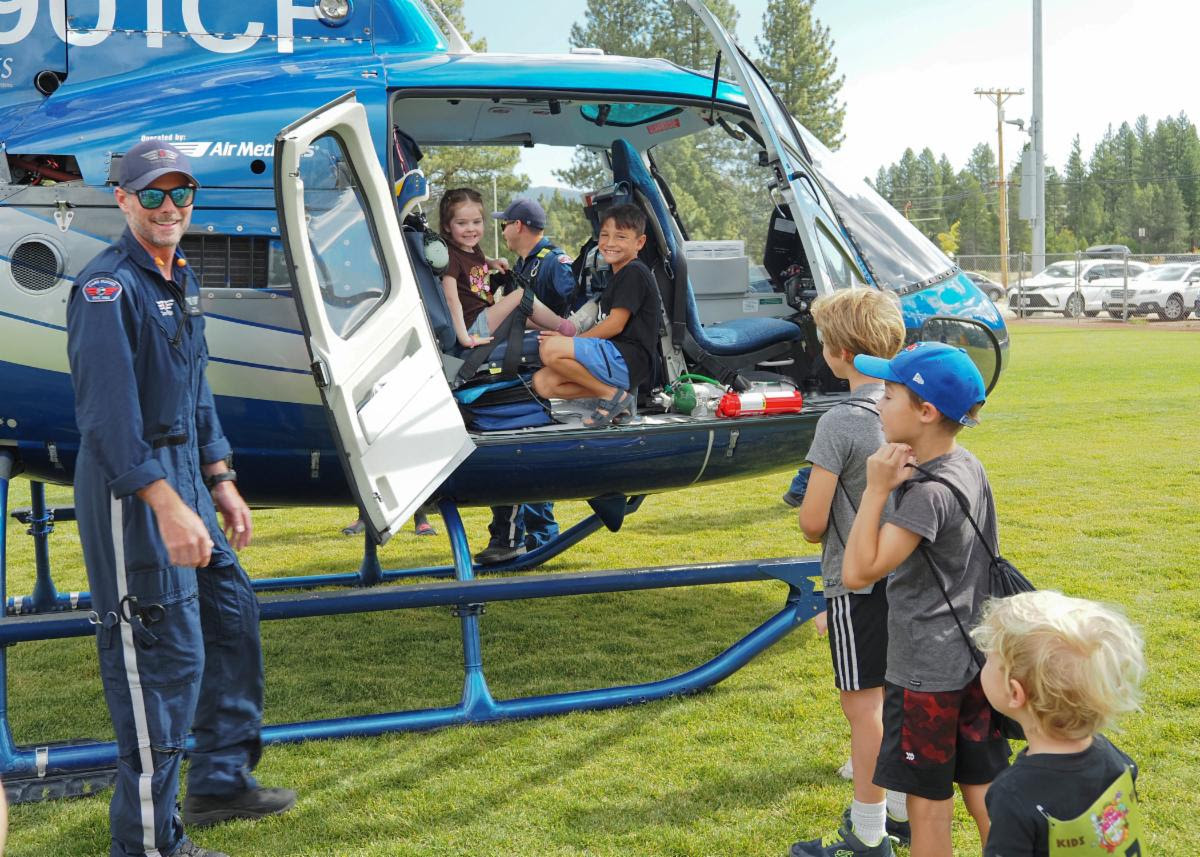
(379, 370)
(831, 259)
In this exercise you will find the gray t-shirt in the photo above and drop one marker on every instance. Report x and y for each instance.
(846, 435)
(926, 651)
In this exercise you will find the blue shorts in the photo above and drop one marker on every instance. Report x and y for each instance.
(603, 360)
(479, 327)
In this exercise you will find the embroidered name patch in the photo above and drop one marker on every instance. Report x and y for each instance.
(101, 290)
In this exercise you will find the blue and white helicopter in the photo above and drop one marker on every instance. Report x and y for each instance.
(331, 363)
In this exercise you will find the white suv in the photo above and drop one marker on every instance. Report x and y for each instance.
(1053, 290)
(1168, 291)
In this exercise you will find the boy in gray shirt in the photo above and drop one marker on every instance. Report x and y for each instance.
(938, 728)
(849, 323)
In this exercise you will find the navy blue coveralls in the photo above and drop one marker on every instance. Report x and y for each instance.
(179, 647)
(548, 269)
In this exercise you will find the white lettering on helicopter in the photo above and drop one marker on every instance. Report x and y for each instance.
(286, 12)
(6, 67)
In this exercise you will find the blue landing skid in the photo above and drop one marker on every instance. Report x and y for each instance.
(70, 769)
(46, 599)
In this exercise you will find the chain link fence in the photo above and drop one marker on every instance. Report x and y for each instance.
(1114, 284)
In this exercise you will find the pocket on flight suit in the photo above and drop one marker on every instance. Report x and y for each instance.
(228, 606)
(169, 666)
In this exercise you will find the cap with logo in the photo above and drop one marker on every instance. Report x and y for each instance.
(150, 159)
(941, 374)
(525, 210)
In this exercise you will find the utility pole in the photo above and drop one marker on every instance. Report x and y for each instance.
(998, 96)
(1038, 133)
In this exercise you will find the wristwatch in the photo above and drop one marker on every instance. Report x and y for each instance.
(210, 482)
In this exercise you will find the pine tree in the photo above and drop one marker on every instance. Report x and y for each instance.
(798, 63)
(678, 35)
(614, 26)
(1084, 214)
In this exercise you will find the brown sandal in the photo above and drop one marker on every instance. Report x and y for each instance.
(608, 411)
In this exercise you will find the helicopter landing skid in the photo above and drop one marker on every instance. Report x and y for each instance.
(78, 768)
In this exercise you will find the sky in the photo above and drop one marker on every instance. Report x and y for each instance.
(912, 67)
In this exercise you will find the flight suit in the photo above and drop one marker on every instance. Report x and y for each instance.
(179, 647)
(548, 270)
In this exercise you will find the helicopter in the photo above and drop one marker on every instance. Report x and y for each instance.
(330, 363)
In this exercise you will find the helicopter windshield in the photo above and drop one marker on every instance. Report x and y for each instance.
(898, 255)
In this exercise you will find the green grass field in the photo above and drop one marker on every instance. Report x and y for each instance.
(1090, 441)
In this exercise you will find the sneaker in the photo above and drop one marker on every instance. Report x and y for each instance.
(843, 843)
(792, 500)
(899, 830)
(203, 810)
(846, 771)
(426, 529)
(355, 529)
(498, 553)
(191, 849)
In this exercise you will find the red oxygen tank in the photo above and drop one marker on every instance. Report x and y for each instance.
(755, 404)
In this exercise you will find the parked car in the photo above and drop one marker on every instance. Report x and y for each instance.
(1054, 290)
(1169, 291)
(988, 286)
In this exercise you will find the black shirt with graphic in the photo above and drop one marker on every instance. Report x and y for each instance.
(1063, 785)
(634, 289)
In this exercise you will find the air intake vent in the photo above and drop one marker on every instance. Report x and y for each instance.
(35, 265)
(228, 261)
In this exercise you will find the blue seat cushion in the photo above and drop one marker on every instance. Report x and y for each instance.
(745, 335)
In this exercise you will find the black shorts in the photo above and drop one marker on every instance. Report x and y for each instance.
(932, 740)
(858, 638)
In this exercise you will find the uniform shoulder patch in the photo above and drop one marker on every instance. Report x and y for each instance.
(101, 290)
(565, 259)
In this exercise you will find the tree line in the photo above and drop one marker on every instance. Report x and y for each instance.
(1140, 187)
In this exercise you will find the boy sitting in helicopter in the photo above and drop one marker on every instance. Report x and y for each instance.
(611, 360)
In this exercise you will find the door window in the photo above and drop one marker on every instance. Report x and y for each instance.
(344, 246)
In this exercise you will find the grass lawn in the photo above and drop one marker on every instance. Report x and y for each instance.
(1090, 441)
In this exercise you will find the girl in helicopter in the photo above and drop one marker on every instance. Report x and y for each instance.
(474, 308)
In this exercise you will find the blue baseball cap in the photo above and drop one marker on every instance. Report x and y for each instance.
(941, 374)
(525, 210)
(150, 159)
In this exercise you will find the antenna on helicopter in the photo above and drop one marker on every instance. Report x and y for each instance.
(458, 45)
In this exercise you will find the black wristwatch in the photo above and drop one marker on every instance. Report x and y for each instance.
(210, 482)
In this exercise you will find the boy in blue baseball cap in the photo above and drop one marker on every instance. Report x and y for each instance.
(938, 728)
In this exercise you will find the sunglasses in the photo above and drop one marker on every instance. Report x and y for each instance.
(153, 197)
(504, 224)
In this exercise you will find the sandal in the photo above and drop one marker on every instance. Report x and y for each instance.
(609, 411)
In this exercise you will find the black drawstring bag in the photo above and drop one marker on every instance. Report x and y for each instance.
(1004, 580)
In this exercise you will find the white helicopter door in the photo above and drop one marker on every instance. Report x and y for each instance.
(829, 253)
(374, 358)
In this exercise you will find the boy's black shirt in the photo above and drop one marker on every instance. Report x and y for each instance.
(633, 288)
(1064, 785)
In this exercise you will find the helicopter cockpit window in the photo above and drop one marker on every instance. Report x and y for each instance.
(345, 250)
(626, 115)
(898, 256)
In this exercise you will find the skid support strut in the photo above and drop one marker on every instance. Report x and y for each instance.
(33, 773)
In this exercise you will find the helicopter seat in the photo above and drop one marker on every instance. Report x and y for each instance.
(739, 343)
(438, 312)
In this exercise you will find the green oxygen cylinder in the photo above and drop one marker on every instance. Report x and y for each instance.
(684, 398)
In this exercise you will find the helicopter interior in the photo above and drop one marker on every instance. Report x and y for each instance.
(632, 147)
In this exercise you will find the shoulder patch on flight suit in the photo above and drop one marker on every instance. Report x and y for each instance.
(101, 290)
(565, 259)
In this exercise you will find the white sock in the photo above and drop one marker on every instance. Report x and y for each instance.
(868, 820)
(897, 805)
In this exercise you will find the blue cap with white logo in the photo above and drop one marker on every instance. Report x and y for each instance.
(525, 210)
(150, 159)
(941, 374)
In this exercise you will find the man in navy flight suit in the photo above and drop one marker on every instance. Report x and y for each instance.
(176, 618)
(515, 529)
